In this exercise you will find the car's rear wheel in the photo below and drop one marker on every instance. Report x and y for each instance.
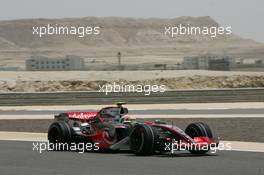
(199, 129)
(59, 135)
(142, 140)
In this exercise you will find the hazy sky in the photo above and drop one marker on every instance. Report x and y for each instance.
(245, 16)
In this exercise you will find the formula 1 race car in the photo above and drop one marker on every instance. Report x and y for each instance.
(112, 129)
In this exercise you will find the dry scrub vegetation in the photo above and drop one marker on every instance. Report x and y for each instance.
(194, 82)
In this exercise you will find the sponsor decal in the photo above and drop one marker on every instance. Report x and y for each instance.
(82, 115)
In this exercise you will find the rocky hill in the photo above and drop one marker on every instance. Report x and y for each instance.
(134, 37)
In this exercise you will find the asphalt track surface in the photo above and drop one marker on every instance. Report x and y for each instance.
(156, 112)
(19, 158)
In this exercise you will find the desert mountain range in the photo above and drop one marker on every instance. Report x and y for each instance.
(135, 38)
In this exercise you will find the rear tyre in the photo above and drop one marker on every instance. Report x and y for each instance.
(142, 140)
(59, 136)
(199, 129)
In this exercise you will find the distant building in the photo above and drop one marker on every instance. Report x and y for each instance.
(40, 63)
(249, 64)
(10, 69)
(207, 62)
(219, 64)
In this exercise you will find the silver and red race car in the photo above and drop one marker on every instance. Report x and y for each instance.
(112, 129)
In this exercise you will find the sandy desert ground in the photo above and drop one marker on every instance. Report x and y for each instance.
(113, 75)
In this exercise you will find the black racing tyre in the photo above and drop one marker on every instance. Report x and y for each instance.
(142, 140)
(60, 135)
(199, 129)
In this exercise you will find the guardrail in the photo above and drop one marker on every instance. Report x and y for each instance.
(175, 96)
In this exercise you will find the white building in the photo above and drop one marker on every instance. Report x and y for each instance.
(40, 63)
(208, 62)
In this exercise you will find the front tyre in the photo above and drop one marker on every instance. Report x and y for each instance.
(59, 136)
(142, 140)
(199, 129)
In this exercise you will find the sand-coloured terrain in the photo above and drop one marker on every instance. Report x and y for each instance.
(139, 40)
(90, 80)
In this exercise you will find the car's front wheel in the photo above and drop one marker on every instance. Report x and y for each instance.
(142, 140)
(199, 130)
(59, 135)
